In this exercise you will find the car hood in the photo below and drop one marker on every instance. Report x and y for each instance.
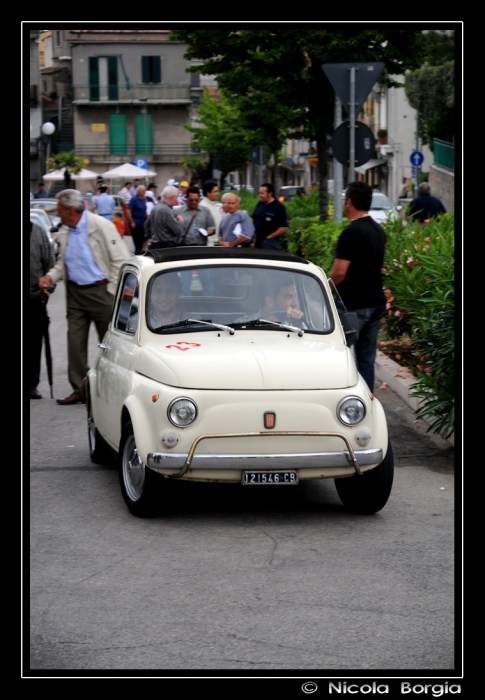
(231, 362)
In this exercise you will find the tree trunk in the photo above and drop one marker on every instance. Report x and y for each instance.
(322, 177)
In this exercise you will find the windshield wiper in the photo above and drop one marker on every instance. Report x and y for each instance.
(262, 321)
(214, 325)
(193, 321)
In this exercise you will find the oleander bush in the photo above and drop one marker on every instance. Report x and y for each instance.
(419, 277)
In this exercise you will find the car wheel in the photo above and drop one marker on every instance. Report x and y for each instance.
(99, 451)
(368, 493)
(139, 485)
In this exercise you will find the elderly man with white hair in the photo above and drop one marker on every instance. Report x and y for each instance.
(236, 227)
(163, 226)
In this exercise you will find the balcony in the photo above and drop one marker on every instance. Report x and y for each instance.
(161, 153)
(151, 94)
(444, 154)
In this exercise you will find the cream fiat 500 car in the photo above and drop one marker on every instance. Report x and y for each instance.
(231, 365)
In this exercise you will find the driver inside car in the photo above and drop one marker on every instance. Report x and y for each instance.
(279, 302)
(164, 300)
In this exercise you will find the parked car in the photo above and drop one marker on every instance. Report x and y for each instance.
(48, 204)
(382, 209)
(288, 193)
(245, 379)
(39, 216)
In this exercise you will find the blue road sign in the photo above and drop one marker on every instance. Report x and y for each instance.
(416, 158)
(141, 163)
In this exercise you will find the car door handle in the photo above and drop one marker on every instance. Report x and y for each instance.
(103, 346)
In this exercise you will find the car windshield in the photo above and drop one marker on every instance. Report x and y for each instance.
(239, 297)
(380, 201)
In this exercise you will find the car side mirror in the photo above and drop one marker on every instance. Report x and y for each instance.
(350, 324)
(399, 207)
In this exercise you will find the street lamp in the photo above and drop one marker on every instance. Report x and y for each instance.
(48, 129)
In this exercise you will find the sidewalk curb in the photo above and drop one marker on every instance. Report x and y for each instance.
(399, 379)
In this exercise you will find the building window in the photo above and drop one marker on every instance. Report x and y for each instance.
(151, 69)
(143, 134)
(58, 38)
(103, 78)
(117, 134)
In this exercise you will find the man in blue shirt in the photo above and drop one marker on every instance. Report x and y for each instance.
(104, 204)
(269, 218)
(137, 214)
(41, 192)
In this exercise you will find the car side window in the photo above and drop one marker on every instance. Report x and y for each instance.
(127, 315)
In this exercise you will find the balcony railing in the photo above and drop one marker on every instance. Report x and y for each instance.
(121, 93)
(444, 154)
(169, 152)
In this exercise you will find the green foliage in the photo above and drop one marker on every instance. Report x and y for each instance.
(193, 165)
(68, 160)
(313, 239)
(431, 91)
(303, 206)
(222, 132)
(419, 281)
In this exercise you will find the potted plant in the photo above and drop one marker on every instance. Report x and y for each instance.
(382, 136)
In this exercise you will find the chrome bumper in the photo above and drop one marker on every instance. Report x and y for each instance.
(261, 462)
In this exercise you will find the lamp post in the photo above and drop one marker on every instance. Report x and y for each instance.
(48, 129)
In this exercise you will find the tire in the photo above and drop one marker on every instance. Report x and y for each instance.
(140, 486)
(99, 451)
(368, 493)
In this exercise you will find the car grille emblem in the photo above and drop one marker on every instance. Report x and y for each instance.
(269, 420)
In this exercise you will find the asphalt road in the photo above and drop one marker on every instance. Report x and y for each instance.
(234, 581)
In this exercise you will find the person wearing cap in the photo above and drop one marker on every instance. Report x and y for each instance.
(183, 192)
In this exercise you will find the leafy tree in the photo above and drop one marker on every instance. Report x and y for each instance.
(431, 89)
(196, 167)
(69, 161)
(277, 74)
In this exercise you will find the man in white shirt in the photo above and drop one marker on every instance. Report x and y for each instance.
(211, 195)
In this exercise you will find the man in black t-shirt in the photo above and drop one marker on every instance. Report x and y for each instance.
(269, 218)
(357, 274)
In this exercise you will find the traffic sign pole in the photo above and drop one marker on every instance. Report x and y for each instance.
(352, 125)
(337, 170)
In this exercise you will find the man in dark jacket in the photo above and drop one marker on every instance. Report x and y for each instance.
(424, 206)
(41, 260)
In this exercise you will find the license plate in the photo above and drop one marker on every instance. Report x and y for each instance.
(271, 478)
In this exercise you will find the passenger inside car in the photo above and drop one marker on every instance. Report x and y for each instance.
(163, 303)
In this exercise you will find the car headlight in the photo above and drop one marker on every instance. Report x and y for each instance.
(351, 410)
(182, 412)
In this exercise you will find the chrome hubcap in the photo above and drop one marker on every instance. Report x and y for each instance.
(133, 470)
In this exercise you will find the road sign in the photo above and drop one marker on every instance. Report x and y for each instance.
(257, 155)
(364, 143)
(141, 163)
(366, 75)
(416, 158)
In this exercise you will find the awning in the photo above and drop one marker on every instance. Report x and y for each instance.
(372, 163)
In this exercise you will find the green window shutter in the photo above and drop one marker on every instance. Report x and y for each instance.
(157, 70)
(151, 69)
(145, 69)
(117, 134)
(143, 134)
(93, 79)
(112, 77)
